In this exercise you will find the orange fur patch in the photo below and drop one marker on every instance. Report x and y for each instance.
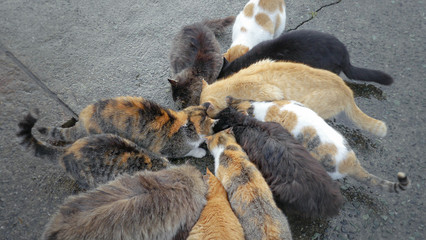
(263, 20)
(270, 5)
(235, 52)
(243, 29)
(75, 148)
(248, 10)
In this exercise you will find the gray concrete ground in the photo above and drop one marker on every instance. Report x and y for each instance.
(87, 50)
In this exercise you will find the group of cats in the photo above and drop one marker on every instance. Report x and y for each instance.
(263, 122)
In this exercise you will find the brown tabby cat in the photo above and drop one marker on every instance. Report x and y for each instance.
(321, 140)
(249, 194)
(95, 159)
(160, 130)
(195, 55)
(320, 90)
(148, 205)
(217, 220)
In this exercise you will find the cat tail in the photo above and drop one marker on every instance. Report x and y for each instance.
(28, 140)
(364, 121)
(360, 174)
(368, 75)
(218, 25)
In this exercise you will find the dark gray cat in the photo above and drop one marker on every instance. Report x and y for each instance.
(195, 56)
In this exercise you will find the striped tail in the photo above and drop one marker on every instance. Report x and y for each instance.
(28, 140)
(393, 187)
(364, 121)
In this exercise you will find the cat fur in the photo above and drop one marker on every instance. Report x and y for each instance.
(147, 205)
(249, 194)
(322, 91)
(217, 220)
(195, 55)
(321, 140)
(160, 130)
(298, 181)
(260, 20)
(94, 159)
(313, 48)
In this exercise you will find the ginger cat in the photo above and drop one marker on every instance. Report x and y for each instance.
(147, 205)
(195, 55)
(260, 20)
(217, 220)
(298, 181)
(313, 48)
(322, 91)
(149, 125)
(95, 159)
(321, 140)
(249, 194)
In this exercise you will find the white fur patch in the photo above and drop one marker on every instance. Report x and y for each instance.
(216, 152)
(260, 109)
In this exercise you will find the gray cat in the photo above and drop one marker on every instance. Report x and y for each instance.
(195, 56)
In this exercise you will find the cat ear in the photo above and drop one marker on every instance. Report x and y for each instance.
(208, 138)
(205, 84)
(173, 82)
(210, 110)
(229, 100)
(208, 172)
(229, 131)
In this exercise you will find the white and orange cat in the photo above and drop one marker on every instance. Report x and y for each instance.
(260, 20)
(320, 90)
(321, 140)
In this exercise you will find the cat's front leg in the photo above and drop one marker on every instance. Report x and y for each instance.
(196, 152)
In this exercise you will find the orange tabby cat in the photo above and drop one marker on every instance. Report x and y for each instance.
(249, 194)
(217, 220)
(320, 90)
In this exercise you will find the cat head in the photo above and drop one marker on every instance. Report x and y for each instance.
(235, 52)
(221, 139)
(197, 116)
(186, 88)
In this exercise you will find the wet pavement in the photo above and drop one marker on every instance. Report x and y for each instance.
(75, 52)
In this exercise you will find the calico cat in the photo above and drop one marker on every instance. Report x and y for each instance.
(322, 91)
(195, 55)
(147, 205)
(322, 141)
(313, 48)
(298, 181)
(94, 159)
(249, 194)
(260, 20)
(160, 130)
(217, 220)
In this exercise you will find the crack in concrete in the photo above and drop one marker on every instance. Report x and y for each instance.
(37, 80)
(314, 14)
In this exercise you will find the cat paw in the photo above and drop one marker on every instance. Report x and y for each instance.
(197, 153)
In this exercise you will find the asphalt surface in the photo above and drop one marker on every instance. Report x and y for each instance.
(60, 56)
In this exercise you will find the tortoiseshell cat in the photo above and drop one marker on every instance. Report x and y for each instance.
(195, 55)
(322, 141)
(249, 194)
(217, 220)
(147, 205)
(260, 20)
(313, 48)
(322, 91)
(160, 130)
(95, 159)
(298, 181)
